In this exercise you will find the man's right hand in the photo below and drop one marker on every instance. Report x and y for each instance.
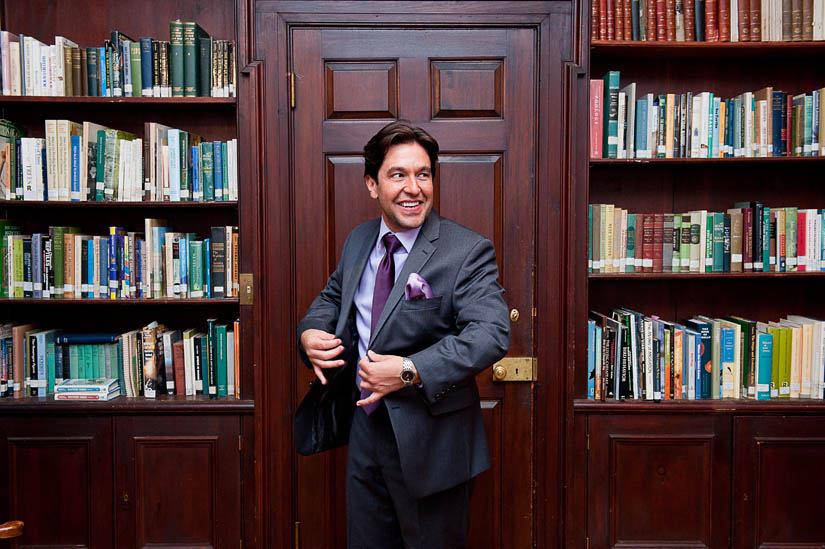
(322, 348)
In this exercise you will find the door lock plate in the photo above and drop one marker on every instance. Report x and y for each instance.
(519, 368)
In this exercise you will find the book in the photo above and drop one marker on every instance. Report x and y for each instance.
(98, 385)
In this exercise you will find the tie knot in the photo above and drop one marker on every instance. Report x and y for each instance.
(391, 243)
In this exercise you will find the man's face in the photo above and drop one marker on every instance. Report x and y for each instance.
(404, 189)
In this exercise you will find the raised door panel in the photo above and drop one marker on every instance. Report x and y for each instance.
(58, 475)
(179, 481)
(658, 483)
(779, 481)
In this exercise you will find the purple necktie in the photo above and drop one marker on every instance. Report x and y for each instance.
(384, 281)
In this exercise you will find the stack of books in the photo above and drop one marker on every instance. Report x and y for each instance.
(87, 389)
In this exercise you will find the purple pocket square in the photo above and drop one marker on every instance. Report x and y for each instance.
(417, 288)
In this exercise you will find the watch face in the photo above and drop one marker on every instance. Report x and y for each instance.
(407, 376)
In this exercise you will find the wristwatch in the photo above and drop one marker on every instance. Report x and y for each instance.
(407, 373)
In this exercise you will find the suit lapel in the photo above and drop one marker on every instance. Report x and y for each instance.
(422, 251)
(352, 279)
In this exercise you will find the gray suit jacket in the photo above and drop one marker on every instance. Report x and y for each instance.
(451, 337)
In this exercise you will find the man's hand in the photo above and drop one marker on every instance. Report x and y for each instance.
(322, 348)
(381, 375)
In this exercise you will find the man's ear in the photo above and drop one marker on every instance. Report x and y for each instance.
(372, 186)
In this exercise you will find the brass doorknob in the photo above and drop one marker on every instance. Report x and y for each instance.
(514, 314)
(499, 372)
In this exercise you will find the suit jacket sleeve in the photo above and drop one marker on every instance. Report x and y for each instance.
(324, 312)
(482, 334)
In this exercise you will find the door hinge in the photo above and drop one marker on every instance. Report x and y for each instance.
(291, 78)
(240, 442)
(587, 542)
(297, 535)
(587, 438)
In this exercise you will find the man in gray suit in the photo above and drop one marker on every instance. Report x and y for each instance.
(415, 302)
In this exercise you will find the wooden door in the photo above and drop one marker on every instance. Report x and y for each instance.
(474, 90)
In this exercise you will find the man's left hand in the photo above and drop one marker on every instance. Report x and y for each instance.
(381, 375)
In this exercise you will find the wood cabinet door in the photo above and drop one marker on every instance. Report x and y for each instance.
(658, 481)
(474, 90)
(779, 481)
(178, 481)
(57, 473)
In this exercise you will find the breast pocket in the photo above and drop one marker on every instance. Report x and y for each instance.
(421, 304)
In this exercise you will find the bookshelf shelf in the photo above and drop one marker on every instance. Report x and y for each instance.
(701, 276)
(121, 302)
(606, 49)
(722, 406)
(131, 101)
(20, 204)
(598, 162)
(161, 405)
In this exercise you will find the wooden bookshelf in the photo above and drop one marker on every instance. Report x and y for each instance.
(133, 443)
(627, 453)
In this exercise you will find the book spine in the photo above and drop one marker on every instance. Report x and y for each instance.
(176, 61)
(136, 70)
(146, 73)
(756, 20)
(724, 20)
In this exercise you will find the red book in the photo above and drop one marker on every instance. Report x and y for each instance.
(596, 117)
(618, 20)
(744, 11)
(647, 243)
(801, 226)
(661, 26)
(658, 236)
(690, 23)
(179, 368)
(602, 19)
(611, 19)
(789, 127)
(670, 20)
(712, 21)
(628, 20)
(651, 18)
(595, 23)
(724, 20)
(756, 21)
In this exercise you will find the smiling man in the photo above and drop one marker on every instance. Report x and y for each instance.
(411, 315)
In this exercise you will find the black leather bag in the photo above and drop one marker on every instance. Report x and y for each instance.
(324, 417)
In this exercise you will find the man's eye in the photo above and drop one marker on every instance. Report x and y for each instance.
(397, 176)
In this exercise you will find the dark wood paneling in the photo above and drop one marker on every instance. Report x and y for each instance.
(178, 481)
(485, 505)
(467, 89)
(377, 86)
(70, 459)
(658, 483)
(779, 482)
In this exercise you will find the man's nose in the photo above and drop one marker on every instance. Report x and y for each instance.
(412, 186)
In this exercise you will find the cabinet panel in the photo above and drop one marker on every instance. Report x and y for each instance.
(780, 481)
(657, 481)
(178, 481)
(59, 480)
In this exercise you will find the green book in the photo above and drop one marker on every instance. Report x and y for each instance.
(220, 355)
(809, 126)
(74, 362)
(709, 244)
(774, 331)
(684, 250)
(50, 363)
(747, 355)
(100, 184)
(137, 76)
(610, 137)
(205, 52)
(630, 265)
(195, 268)
(207, 169)
(176, 57)
(88, 361)
(19, 269)
(785, 363)
(791, 214)
(185, 191)
(116, 358)
(7, 228)
(192, 35)
(718, 242)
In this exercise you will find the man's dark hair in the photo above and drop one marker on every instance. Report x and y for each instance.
(397, 133)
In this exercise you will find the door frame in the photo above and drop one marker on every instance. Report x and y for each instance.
(558, 74)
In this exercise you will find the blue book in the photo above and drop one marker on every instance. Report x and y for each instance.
(727, 338)
(139, 268)
(778, 104)
(591, 359)
(641, 129)
(126, 69)
(146, 67)
(86, 338)
(764, 358)
(104, 267)
(75, 168)
(196, 172)
(101, 63)
(207, 270)
(114, 233)
(705, 331)
(697, 366)
(90, 288)
(218, 171)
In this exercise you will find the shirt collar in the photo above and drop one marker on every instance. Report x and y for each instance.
(407, 238)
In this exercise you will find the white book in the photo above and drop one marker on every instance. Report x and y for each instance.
(701, 116)
(174, 165)
(6, 38)
(14, 64)
(123, 155)
(27, 154)
(137, 158)
(51, 158)
(65, 130)
(763, 128)
(232, 166)
(652, 126)
(622, 152)
(189, 361)
(734, 20)
(747, 106)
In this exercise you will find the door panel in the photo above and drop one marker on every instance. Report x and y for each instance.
(474, 91)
